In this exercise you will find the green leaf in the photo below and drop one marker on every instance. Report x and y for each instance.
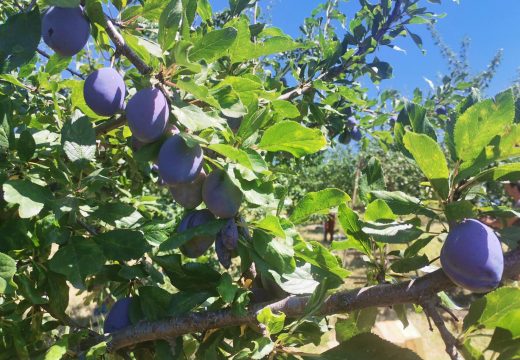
(500, 308)
(481, 123)
(292, 137)
(118, 214)
(298, 282)
(178, 239)
(250, 160)
(227, 289)
(285, 109)
(29, 196)
(26, 146)
(5, 132)
(272, 225)
(379, 210)
(319, 256)
(213, 45)
(275, 252)
(316, 202)
(195, 119)
(204, 10)
(62, 3)
(78, 259)
(58, 350)
(401, 203)
(155, 302)
(122, 244)
(507, 172)
(20, 34)
(78, 139)
(393, 233)
(95, 14)
(57, 63)
(459, 210)
(368, 347)
(169, 23)
(7, 270)
(273, 322)
(430, 158)
(410, 264)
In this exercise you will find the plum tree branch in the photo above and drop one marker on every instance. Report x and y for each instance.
(73, 72)
(413, 291)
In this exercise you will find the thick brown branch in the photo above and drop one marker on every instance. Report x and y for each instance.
(123, 49)
(414, 291)
(45, 55)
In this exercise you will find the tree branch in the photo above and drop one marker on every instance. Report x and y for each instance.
(109, 125)
(73, 72)
(414, 291)
(123, 49)
(430, 309)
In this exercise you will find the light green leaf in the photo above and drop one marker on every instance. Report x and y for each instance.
(273, 322)
(319, 256)
(62, 3)
(199, 91)
(481, 123)
(285, 109)
(247, 159)
(213, 45)
(204, 10)
(195, 119)
(316, 202)
(500, 308)
(7, 270)
(78, 259)
(272, 225)
(29, 196)
(392, 233)
(379, 210)
(169, 23)
(292, 137)
(57, 350)
(430, 158)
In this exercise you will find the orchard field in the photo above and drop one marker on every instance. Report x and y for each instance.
(164, 168)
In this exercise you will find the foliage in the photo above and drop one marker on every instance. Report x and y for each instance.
(82, 206)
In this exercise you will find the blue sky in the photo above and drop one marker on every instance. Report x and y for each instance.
(491, 25)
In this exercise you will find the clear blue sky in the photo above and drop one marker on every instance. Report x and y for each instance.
(490, 24)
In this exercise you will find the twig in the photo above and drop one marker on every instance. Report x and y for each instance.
(73, 72)
(123, 49)
(430, 309)
(110, 125)
(414, 291)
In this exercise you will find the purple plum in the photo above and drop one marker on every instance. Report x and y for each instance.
(356, 134)
(224, 255)
(345, 137)
(229, 234)
(178, 162)
(221, 196)
(393, 120)
(472, 256)
(65, 30)
(119, 316)
(352, 121)
(189, 195)
(147, 113)
(199, 244)
(441, 110)
(105, 91)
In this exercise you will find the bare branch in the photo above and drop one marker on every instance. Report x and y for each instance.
(430, 309)
(414, 291)
(73, 72)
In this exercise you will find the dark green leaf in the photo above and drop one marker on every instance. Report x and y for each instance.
(122, 244)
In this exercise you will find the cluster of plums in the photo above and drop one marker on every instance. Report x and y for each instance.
(351, 132)
(472, 256)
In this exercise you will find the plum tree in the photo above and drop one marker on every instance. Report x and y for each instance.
(119, 316)
(472, 256)
(199, 244)
(221, 196)
(65, 30)
(147, 113)
(104, 91)
(189, 195)
(178, 162)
